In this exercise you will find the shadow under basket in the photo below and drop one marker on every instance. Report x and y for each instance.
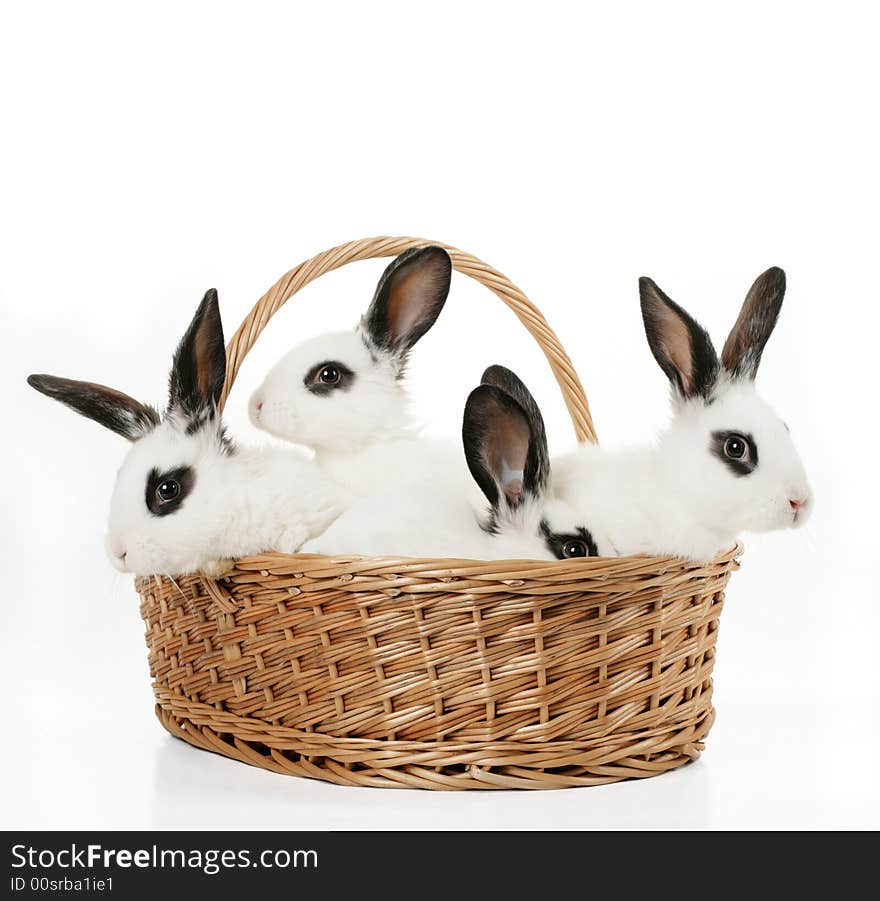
(440, 674)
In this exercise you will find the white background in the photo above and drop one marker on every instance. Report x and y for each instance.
(150, 152)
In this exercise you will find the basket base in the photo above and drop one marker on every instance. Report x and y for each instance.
(502, 767)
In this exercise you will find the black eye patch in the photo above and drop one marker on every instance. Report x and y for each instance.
(166, 491)
(568, 545)
(331, 375)
(736, 450)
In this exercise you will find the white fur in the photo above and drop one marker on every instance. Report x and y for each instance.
(678, 498)
(252, 501)
(441, 522)
(411, 522)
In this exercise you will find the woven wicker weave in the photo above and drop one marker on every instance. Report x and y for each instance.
(444, 674)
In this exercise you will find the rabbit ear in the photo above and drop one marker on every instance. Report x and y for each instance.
(505, 451)
(199, 367)
(408, 299)
(757, 318)
(679, 343)
(511, 384)
(110, 408)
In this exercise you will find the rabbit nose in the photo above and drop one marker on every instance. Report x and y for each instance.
(797, 508)
(259, 405)
(117, 549)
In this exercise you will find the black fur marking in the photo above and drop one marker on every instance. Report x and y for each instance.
(704, 364)
(377, 324)
(365, 340)
(314, 384)
(185, 478)
(206, 419)
(399, 361)
(738, 467)
(110, 408)
(199, 367)
(227, 445)
(199, 421)
(557, 541)
(490, 524)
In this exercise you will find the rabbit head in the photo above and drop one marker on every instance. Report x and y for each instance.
(162, 518)
(505, 447)
(342, 391)
(729, 456)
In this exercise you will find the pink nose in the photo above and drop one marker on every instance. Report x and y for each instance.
(259, 405)
(796, 504)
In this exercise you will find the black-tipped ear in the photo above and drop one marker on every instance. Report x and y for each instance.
(754, 325)
(511, 384)
(199, 367)
(504, 454)
(679, 343)
(408, 299)
(110, 408)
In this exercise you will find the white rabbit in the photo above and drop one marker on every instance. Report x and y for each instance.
(342, 394)
(505, 446)
(726, 463)
(185, 497)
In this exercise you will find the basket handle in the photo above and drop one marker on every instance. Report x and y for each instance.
(369, 248)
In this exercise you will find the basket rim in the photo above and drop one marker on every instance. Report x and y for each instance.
(280, 565)
(574, 561)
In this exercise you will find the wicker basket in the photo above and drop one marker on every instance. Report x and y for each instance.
(443, 674)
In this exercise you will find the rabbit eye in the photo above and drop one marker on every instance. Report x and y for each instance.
(736, 447)
(569, 545)
(329, 376)
(575, 549)
(736, 450)
(168, 490)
